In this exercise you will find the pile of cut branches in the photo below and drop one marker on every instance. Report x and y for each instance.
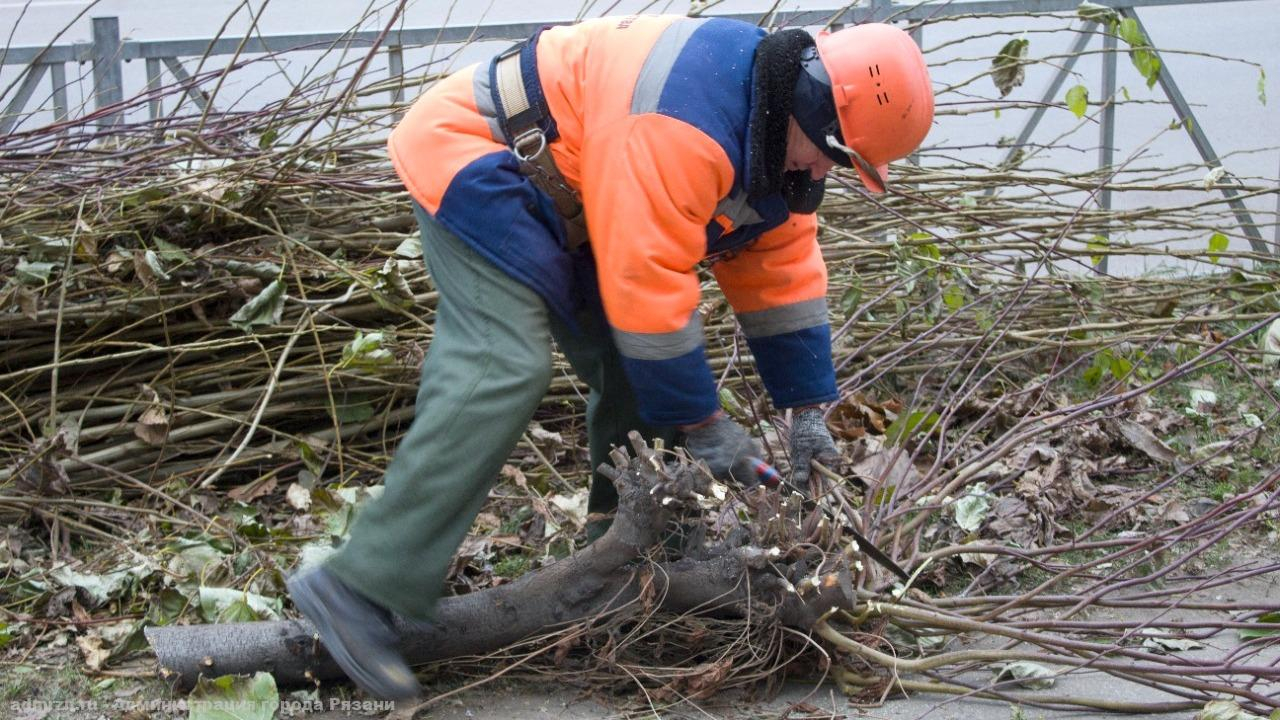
(211, 330)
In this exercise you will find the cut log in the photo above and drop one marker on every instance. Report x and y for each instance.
(609, 576)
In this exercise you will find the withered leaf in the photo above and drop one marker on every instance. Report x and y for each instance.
(889, 468)
(1142, 439)
(147, 267)
(41, 472)
(1014, 520)
(298, 497)
(1006, 69)
(487, 521)
(707, 678)
(115, 262)
(253, 490)
(91, 647)
(152, 426)
(858, 414)
(28, 303)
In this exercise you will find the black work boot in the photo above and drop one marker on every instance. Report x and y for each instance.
(357, 632)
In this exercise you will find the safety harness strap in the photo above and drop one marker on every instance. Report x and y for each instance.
(529, 128)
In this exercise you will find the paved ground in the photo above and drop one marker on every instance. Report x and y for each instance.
(552, 702)
(537, 703)
(512, 702)
(549, 701)
(534, 701)
(523, 699)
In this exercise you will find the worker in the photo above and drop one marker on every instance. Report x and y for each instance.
(570, 189)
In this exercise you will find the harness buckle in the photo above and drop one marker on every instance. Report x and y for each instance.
(531, 138)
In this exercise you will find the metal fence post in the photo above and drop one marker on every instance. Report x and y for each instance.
(108, 69)
(1107, 130)
(61, 108)
(395, 69)
(917, 34)
(13, 112)
(153, 86)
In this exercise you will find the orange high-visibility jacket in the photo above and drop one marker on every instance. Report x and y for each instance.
(650, 124)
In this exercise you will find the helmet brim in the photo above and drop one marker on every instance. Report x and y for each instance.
(874, 177)
(875, 183)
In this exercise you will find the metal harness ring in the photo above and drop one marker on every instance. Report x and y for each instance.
(518, 145)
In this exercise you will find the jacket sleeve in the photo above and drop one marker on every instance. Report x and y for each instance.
(650, 184)
(778, 290)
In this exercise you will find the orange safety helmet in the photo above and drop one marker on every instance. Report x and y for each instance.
(883, 99)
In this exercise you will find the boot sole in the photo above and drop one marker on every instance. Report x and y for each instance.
(306, 599)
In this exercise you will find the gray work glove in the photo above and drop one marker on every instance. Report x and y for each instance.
(726, 448)
(810, 440)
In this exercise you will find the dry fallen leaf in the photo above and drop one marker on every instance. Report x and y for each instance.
(298, 497)
(1173, 512)
(1140, 438)
(704, 680)
(1013, 519)
(147, 268)
(551, 444)
(515, 475)
(152, 426)
(486, 522)
(890, 468)
(91, 647)
(29, 303)
(574, 506)
(858, 414)
(115, 262)
(251, 491)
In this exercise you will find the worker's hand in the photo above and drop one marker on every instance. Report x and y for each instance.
(810, 440)
(725, 447)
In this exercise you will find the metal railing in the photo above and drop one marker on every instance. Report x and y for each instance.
(108, 52)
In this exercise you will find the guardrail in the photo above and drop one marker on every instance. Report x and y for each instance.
(107, 52)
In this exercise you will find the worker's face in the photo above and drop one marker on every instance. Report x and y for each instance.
(802, 154)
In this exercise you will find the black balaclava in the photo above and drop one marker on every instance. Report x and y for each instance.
(815, 109)
(782, 84)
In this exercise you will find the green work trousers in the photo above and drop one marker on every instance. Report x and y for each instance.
(486, 371)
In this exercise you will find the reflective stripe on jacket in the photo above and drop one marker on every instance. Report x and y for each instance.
(652, 116)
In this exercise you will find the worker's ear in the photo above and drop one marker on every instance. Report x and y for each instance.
(803, 193)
